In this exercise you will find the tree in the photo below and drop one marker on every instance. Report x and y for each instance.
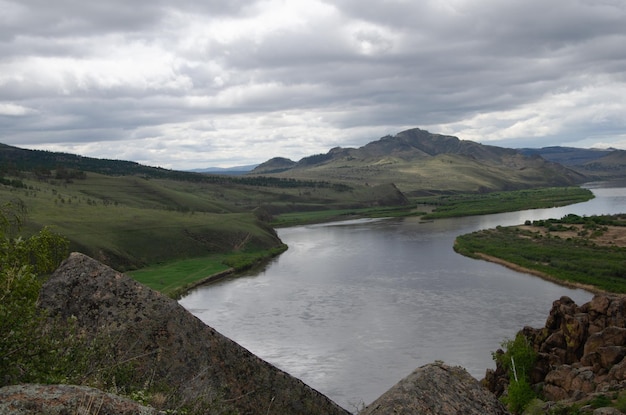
(29, 350)
(519, 360)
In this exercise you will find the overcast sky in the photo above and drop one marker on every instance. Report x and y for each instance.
(196, 83)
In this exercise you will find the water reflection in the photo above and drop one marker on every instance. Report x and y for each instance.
(353, 307)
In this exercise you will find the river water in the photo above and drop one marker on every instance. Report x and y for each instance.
(353, 307)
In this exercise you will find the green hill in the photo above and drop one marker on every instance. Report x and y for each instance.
(128, 215)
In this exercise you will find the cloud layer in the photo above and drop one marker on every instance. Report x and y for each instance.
(197, 83)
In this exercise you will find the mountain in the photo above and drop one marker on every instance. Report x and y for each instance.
(567, 156)
(596, 164)
(612, 165)
(234, 171)
(275, 165)
(419, 162)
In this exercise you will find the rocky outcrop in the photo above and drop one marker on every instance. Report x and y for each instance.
(66, 399)
(437, 389)
(169, 346)
(580, 350)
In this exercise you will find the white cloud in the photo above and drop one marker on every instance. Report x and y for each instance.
(14, 110)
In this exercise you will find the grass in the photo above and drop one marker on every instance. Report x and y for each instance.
(176, 277)
(170, 277)
(129, 222)
(498, 202)
(577, 259)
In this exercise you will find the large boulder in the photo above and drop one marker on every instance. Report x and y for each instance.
(437, 389)
(169, 346)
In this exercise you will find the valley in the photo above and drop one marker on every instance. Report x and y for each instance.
(131, 216)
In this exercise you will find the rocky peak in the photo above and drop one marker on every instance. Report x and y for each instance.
(580, 349)
(437, 389)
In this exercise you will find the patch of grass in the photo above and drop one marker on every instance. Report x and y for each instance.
(170, 277)
(175, 277)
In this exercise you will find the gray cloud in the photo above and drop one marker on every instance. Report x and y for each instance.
(195, 83)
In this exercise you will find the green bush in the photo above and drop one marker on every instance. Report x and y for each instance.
(32, 347)
(518, 359)
(520, 394)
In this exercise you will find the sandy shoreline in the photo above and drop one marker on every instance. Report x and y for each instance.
(539, 274)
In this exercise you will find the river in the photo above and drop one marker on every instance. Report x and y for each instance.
(353, 307)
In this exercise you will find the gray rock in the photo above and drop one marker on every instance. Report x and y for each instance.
(581, 350)
(65, 399)
(437, 389)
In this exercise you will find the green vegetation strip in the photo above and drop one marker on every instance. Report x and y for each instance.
(320, 216)
(177, 277)
(445, 206)
(498, 202)
(169, 278)
(574, 259)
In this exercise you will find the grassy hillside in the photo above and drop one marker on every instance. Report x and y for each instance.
(129, 222)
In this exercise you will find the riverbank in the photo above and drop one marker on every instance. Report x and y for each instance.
(542, 275)
(580, 252)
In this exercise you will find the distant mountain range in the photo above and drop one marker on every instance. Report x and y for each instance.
(568, 156)
(416, 161)
(234, 171)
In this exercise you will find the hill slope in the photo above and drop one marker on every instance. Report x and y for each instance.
(418, 162)
(128, 215)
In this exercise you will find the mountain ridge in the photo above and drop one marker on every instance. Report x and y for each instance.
(417, 161)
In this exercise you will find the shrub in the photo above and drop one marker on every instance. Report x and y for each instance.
(520, 394)
(30, 350)
(518, 359)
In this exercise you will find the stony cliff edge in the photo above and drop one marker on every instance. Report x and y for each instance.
(171, 346)
(581, 352)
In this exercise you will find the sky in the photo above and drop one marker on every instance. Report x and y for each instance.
(197, 83)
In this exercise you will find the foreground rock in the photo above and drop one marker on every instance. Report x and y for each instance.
(169, 346)
(65, 399)
(580, 350)
(437, 389)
